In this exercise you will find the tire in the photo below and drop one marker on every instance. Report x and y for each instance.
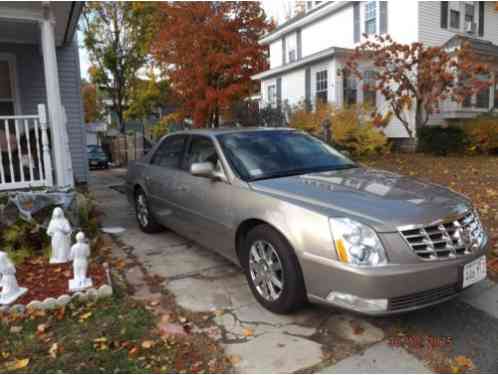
(144, 217)
(264, 240)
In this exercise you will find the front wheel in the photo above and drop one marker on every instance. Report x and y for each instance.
(144, 217)
(272, 271)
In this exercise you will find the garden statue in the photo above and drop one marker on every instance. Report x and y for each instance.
(59, 230)
(80, 251)
(8, 282)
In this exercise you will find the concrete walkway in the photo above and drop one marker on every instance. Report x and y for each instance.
(314, 339)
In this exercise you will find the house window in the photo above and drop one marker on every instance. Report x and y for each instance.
(371, 18)
(272, 95)
(369, 91)
(469, 13)
(321, 86)
(469, 17)
(483, 96)
(349, 89)
(454, 19)
(292, 55)
(6, 90)
(496, 94)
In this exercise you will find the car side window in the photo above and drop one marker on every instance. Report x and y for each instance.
(170, 152)
(201, 150)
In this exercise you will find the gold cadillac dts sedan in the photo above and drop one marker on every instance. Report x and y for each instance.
(305, 223)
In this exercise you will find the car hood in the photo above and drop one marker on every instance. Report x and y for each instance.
(381, 199)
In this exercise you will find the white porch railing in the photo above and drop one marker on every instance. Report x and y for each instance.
(25, 159)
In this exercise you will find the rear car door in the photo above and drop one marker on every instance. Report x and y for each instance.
(161, 179)
(207, 201)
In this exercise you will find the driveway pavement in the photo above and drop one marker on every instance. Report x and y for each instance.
(316, 339)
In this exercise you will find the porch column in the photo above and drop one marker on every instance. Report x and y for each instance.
(57, 117)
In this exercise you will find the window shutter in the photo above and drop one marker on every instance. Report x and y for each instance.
(284, 50)
(307, 89)
(444, 14)
(299, 43)
(383, 18)
(356, 21)
(279, 92)
(481, 18)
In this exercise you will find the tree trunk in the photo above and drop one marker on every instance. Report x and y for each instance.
(418, 118)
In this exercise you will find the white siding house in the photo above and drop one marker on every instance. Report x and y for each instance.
(308, 52)
(42, 135)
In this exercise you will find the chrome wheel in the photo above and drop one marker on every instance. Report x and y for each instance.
(266, 270)
(142, 210)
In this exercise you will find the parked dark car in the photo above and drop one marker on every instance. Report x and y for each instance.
(97, 158)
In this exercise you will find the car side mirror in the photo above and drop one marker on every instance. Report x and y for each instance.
(206, 169)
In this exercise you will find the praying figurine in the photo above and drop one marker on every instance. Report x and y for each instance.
(8, 282)
(59, 230)
(80, 251)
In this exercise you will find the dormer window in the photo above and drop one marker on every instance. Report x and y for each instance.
(371, 18)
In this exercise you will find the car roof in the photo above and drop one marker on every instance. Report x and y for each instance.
(217, 131)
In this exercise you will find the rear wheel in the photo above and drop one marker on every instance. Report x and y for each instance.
(144, 217)
(272, 271)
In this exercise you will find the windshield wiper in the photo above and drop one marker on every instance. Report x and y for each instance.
(297, 172)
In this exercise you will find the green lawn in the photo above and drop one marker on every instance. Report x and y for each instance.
(114, 335)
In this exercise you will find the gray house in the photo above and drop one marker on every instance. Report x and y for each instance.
(42, 134)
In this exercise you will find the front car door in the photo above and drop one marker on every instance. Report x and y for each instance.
(208, 201)
(162, 180)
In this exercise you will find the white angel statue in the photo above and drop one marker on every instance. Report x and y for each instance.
(8, 282)
(59, 230)
(79, 254)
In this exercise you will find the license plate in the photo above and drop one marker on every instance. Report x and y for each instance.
(474, 271)
(94, 163)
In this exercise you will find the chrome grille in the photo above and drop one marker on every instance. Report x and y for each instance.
(445, 239)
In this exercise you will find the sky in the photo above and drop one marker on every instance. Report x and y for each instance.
(274, 8)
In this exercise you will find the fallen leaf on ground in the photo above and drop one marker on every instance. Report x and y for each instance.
(15, 329)
(133, 351)
(234, 359)
(19, 364)
(463, 361)
(147, 344)
(85, 316)
(41, 328)
(53, 350)
(247, 332)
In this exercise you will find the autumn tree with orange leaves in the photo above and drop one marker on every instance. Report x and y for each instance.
(209, 51)
(415, 79)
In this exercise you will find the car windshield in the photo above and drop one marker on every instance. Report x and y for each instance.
(97, 154)
(258, 155)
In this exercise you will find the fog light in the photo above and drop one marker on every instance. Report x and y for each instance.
(357, 303)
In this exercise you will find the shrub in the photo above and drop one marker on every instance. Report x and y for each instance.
(482, 134)
(352, 128)
(310, 121)
(161, 128)
(439, 140)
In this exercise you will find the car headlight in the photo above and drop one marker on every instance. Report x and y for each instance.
(356, 243)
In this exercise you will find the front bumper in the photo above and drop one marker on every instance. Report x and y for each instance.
(406, 287)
